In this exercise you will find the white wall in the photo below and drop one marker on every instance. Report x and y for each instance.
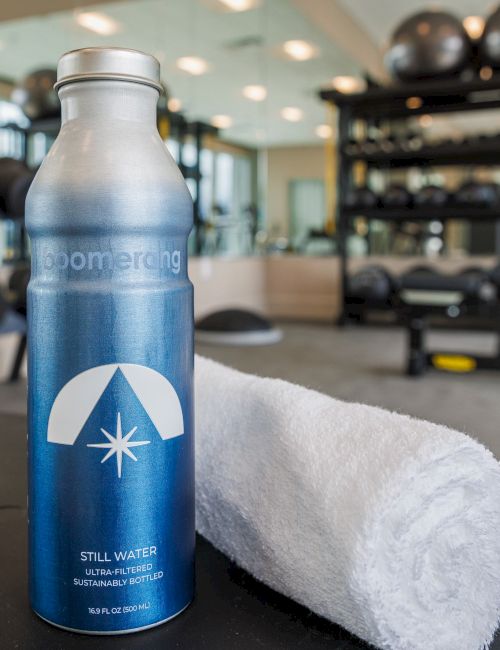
(285, 164)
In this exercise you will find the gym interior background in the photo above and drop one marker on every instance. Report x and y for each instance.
(344, 162)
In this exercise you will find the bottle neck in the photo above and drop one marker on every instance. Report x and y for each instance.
(104, 101)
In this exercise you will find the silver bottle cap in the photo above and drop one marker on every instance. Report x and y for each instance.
(91, 63)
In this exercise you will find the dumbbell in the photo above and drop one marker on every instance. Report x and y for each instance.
(372, 284)
(352, 147)
(388, 144)
(478, 194)
(481, 283)
(396, 196)
(361, 197)
(431, 195)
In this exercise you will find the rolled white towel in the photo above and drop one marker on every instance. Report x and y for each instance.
(386, 525)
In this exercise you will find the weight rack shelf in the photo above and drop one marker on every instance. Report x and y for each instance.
(438, 96)
(431, 213)
(389, 104)
(482, 152)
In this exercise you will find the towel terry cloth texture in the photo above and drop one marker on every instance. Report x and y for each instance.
(386, 525)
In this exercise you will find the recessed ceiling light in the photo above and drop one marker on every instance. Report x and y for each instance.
(222, 121)
(347, 84)
(300, 50)
(474, 26)
(239, 5)
(255, 92)
(174, 104)
(194, 65)
(324, 131)
(292, 114)
(97, 22)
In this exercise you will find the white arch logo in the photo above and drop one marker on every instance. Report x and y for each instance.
(77, 399)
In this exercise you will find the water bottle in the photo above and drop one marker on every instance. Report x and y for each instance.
(110, 358)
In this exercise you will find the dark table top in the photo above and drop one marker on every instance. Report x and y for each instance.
(231, 609)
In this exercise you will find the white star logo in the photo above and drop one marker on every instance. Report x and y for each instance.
(119, 444)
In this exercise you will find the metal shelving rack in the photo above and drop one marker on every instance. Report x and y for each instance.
(385, 104)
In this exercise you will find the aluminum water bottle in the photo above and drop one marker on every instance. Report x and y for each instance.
(111, 462)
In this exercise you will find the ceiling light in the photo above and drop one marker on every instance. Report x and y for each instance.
(194, 65)
(174, 104)
(222, 121)
(256, 93)
(239, 5)
(292, 114)
(324, 131)
(300, 50)
(345, 84)
(97, 22)
(414, 102)
(474, 26)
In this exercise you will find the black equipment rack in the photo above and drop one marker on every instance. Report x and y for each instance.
(381, 105)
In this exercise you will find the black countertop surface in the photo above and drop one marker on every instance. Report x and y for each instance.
(231, 609)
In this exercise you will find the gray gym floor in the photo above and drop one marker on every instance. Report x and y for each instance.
(365, 365)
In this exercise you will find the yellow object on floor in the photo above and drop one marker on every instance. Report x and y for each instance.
(454, 362)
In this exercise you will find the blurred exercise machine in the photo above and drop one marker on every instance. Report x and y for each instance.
(426, 295)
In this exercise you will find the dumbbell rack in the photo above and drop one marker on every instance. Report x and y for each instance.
(381, 105)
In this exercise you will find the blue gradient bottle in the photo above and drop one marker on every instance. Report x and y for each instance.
(111, 458)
